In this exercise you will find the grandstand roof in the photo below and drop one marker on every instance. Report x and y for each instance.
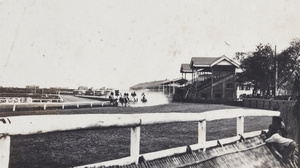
(179, 81)
(148, 85)
(203, 62)
(185, 68)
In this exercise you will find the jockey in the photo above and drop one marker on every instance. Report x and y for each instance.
(112, 99)
(144, 97)
(111, 95)
(133, 94)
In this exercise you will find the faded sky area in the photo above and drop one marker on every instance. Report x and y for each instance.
(119, 43)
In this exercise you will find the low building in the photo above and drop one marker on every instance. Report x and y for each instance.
(244, 89)
(153, 85)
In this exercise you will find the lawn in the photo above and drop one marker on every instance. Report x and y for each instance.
(67, 149)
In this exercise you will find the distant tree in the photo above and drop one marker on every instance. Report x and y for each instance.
(259, 67)
(296, 87)
(288, 65)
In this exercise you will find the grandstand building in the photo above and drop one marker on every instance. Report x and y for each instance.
(213, 78)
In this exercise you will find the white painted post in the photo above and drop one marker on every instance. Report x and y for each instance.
(14, 107)
(4, 151)
(202, 133)
(135, 143)
(240, 125)
(45, 106)
(77, 105)
(63, 106)
(102, 104)
(91, 104)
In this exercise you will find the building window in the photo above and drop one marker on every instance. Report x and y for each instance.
(217, 96)
(229, 86)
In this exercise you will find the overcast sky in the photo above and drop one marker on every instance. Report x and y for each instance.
(119, 43)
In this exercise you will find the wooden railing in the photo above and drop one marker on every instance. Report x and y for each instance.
(62, 105)
(28, 99)
(25, 125)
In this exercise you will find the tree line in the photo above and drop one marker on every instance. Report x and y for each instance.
(259, 68)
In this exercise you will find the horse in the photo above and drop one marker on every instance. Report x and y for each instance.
(144, 100)
(133, 100)
(124, 100)
(113, 101)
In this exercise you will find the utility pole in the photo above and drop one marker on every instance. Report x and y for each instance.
(276, 74)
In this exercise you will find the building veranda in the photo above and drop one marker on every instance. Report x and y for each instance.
(213, 78)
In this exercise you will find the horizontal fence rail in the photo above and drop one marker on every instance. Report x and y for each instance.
(45, 105)
(28, 99)
(25, 125)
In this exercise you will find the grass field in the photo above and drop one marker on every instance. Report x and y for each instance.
(67, 149)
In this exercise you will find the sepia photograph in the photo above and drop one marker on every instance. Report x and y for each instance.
(149, 83)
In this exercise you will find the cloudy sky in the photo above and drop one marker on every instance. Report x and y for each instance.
(119, 43)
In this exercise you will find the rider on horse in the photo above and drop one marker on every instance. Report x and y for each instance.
(144, 100)
(112, 100)
(134, 99)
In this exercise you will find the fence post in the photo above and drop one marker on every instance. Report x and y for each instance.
(63, 106)
(256, 102)
(135, 143)
(4, 151)
(240, 125)
(77, 105)
(202, 133)
(91, 104)
(45, 106)
(14, 107)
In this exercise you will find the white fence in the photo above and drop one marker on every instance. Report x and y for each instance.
(15, 100)
(27, 100)
(25, 125)
(44, 105)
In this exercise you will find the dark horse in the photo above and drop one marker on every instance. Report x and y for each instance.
(124, 100)
(112, 100)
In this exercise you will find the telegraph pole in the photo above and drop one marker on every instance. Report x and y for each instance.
(276, 74)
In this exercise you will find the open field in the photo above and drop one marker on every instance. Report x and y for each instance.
(67, 149)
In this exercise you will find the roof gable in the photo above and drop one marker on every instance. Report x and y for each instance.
(226, 59)
(224, 62)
